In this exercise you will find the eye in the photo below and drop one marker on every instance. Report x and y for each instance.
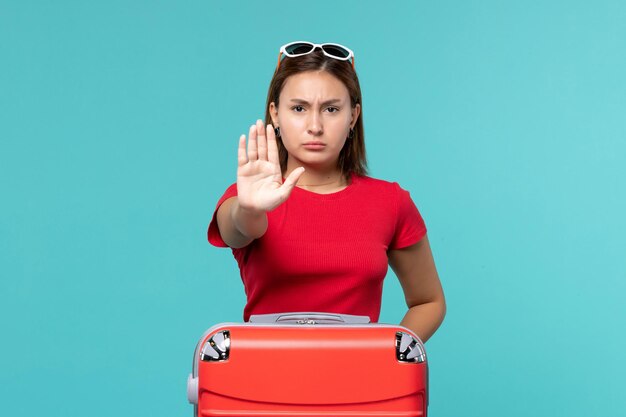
(334, 109)
(296, 108)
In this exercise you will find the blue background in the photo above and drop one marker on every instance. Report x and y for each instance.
(119, 123)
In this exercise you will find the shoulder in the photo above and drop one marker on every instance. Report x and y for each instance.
(231, 191)
(376, 184)
(386, 192)
(232, 188)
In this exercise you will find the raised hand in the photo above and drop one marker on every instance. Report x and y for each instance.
(260, 185)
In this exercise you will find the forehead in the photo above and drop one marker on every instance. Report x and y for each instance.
(314, 85)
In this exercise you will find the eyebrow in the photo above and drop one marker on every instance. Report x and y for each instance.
(301, 101)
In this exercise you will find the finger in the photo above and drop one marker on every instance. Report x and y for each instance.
(252, 144)
(261, 140)
(272, 147)
(242, 159)
(291, 181)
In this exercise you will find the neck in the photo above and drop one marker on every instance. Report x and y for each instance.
(319, 179)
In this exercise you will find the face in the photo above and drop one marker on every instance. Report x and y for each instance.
(315, 117)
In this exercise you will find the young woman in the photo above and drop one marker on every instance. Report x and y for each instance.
(308, 228)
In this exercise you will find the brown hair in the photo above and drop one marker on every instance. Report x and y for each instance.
(352, 157)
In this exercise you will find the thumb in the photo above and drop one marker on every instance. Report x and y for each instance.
(291, 181)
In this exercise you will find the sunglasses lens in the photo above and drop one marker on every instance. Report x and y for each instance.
(299, 48)
(336, 51)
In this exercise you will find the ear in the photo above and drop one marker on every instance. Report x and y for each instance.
(274, 114)
(356, 111)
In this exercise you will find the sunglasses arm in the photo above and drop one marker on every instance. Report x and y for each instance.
(281, 53)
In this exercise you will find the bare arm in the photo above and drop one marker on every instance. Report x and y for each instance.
(415, 268)
(260, 188)
(238, 226)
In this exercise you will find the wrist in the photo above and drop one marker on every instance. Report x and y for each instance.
(250, 212)
(250, 222)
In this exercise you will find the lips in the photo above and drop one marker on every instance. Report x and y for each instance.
(314, 145)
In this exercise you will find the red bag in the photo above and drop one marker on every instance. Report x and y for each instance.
(309, 364)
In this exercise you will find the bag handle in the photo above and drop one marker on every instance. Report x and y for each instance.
(309, 318)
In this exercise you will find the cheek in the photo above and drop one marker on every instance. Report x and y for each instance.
(287, 133)
(293, 130)
(340, 130)
(341, 143)
(294, 123)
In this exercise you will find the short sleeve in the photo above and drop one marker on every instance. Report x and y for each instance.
(213, 234)
(410, 227)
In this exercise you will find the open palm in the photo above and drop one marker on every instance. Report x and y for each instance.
(260, 184)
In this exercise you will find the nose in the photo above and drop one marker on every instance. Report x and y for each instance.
(315, 127)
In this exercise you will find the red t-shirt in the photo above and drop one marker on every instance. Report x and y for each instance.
(326, 252)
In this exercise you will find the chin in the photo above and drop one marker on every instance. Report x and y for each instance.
(316, 162)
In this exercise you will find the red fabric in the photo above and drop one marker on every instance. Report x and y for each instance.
(326, 252)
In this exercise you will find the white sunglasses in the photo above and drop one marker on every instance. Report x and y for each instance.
(332, 50)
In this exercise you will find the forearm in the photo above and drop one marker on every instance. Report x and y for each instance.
(238, 226)
(425, 319)
(251, 224)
